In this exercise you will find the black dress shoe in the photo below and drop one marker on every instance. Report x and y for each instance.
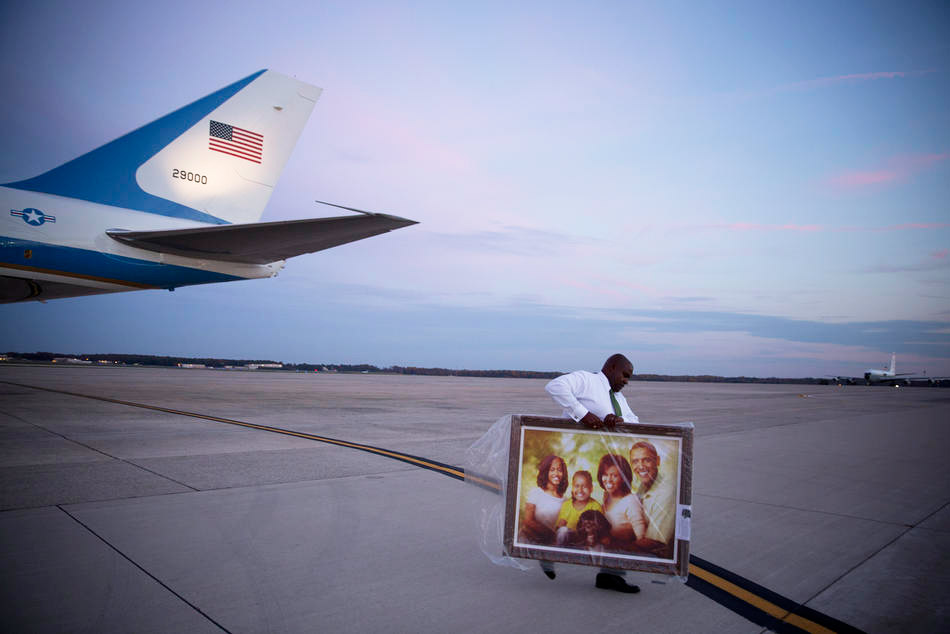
(607, 581)
(547, 568)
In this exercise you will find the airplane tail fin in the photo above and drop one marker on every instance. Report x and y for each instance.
(215, 160)
(893, 362)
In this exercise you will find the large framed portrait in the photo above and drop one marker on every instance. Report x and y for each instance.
(616, 499)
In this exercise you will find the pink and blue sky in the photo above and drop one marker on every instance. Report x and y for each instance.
(712, 188)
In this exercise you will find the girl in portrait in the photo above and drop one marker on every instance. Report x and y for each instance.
(581, 486)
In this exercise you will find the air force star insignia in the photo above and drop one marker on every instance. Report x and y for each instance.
(33, 217)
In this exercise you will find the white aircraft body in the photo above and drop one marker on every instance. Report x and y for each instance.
(173, 203)
(888, 376)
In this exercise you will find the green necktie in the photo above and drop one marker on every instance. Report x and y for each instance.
(613, 400)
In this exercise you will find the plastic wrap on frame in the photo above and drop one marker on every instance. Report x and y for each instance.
(488, 466)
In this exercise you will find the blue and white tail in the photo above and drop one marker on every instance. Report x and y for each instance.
(216, 160)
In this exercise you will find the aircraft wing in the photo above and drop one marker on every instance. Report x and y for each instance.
(264, 242)
(928, 379)
(840, 380)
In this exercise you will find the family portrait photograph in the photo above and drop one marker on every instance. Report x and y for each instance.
(600, 498)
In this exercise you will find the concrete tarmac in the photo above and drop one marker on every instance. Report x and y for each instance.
(120, 519)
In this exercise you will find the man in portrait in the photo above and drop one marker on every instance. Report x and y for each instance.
(657, 494)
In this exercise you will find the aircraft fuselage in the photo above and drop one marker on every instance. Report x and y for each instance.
(62, 241)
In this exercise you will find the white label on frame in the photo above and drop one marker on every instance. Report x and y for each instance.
(684, 513)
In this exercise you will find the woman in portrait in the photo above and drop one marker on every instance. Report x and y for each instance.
(623, 509)
(543, 504)
(544, 501)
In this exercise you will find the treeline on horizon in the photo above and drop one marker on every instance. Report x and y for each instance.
(153, 360)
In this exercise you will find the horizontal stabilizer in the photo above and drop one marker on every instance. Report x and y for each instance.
(263, 242)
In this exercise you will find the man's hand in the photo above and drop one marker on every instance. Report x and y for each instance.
(611, 420)
(591, 420)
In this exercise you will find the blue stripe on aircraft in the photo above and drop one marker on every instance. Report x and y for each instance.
(106, 175)
(105, 266)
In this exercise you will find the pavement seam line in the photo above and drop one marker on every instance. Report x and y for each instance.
(422, 462)
(146, 572)
(798, 508)
(15, 417)
(454, 472)
(800, 422)
(99, 451)
(877, 552)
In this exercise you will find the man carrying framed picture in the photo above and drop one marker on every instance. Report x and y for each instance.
(594, 400)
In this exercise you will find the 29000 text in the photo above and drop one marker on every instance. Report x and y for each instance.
(191, 177)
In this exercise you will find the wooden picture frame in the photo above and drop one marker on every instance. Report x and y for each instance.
(659, 532)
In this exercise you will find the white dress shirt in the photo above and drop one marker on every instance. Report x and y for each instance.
(581, 392)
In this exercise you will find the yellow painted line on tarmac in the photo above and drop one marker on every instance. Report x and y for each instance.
(756, 601)
(748, 597)
(488, 484)
(435, 466)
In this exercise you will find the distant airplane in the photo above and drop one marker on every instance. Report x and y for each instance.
(887, 376)
(173, 203)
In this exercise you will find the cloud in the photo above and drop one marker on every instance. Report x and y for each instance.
(903, 227)
(595, 289)
(408, 327)
(899, 169)
(366, 131)
(852, 178)
(851, 79)
(825, 82)
(751, 227)
(765, 345)
(690, 300)
(514, 240)
(932, 262)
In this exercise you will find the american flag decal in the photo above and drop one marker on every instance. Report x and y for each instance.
(229, 139)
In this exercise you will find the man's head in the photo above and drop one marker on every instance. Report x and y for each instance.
(618, 370)
(645, 462)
